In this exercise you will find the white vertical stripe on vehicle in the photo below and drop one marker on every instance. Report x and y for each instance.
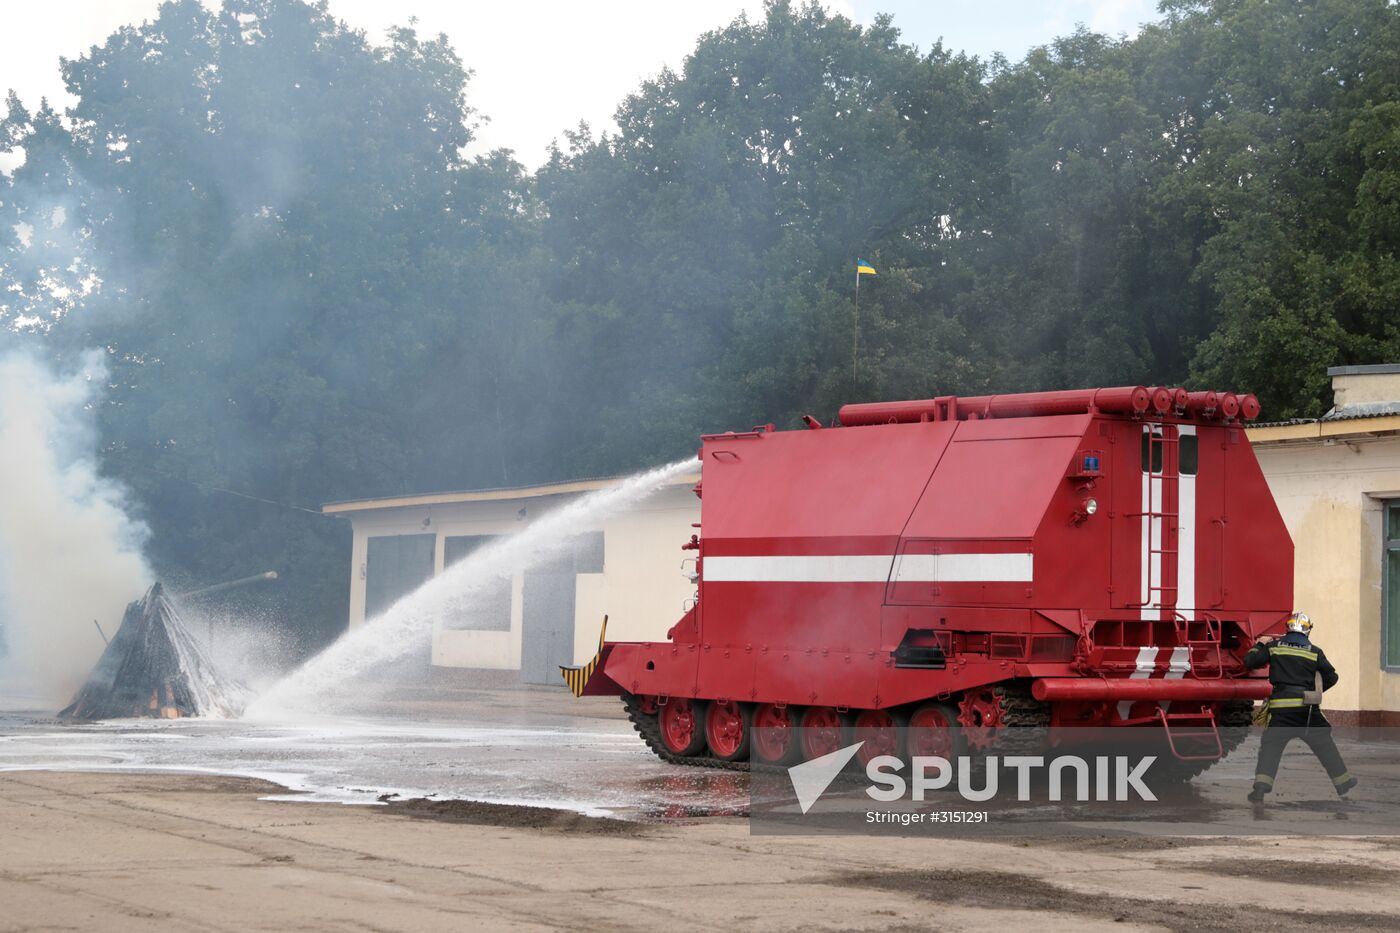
(1179, 664)
(1151, 563)
(1186, 599)
(1146, 664)
(1177, 667)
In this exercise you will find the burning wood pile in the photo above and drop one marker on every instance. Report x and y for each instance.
(154, 667)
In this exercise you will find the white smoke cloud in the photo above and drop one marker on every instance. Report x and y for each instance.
(69, 552)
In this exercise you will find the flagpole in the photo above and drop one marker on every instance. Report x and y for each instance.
(855, 331)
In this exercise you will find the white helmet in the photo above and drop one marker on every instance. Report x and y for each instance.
(1300, 623)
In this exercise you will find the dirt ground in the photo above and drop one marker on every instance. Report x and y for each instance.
(192, 852)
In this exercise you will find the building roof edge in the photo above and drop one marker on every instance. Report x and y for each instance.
(503, 493)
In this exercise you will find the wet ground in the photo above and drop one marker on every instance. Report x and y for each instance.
(535, 747)
(542, 748)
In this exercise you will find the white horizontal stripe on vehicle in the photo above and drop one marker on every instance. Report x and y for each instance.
(823, 568)
(870, 568)
(964, 568)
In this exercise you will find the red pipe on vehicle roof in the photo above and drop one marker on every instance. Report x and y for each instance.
(1097, 690)
(1202, 404)
(1229, 406)
(1161, 399)
(1176, 398)
(1125, 400)
(1249, 407)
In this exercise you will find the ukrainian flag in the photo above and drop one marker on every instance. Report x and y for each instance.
(864, 268)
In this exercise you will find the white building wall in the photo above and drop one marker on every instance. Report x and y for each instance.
(479, 649)
(1331, 492)
(642, 588)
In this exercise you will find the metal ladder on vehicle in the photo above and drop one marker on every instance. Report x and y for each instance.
(1214, 630)
(1160, 520)
(1210, 732)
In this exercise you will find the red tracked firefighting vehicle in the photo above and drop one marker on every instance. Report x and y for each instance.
(960, 566)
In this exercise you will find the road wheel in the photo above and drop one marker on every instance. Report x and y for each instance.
(773, 739)
(679, 720)
(727, 730)
(878, 731)
(823, 732)
(933, 732)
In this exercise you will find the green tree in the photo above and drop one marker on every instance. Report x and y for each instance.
(290, 248)
(46, 261)
(719, 228)
(1296, 169)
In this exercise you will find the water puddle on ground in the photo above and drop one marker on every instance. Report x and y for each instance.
(528, 755)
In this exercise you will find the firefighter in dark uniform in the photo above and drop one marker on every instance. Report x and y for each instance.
(1294, 665)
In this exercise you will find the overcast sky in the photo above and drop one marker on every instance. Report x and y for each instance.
(543, 65)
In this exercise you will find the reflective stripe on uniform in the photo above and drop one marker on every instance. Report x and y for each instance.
(1264, 779)
(1342, 778)
(1286, 703)
(1293, 652)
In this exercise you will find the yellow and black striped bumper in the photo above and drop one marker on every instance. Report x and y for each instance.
(577, 678)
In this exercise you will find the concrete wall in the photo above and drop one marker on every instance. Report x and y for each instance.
(1331, 491)
(461, 648)
(1364, 385)
(641, 588)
